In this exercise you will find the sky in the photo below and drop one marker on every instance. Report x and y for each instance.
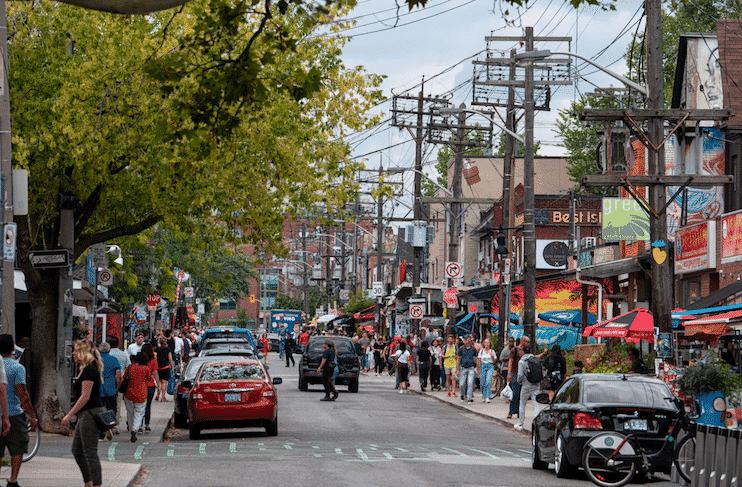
(439, 42)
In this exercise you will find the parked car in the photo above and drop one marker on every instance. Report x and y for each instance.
(346, 356)
(221, 332)
(223, 342)
(242, 350)
(233, 394)
(589, 404)
(185, 383)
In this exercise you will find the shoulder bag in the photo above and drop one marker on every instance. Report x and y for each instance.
(124, 383)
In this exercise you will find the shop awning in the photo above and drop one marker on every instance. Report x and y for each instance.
(465, 319)
(716, 297)
(365, 315)
(713, 325)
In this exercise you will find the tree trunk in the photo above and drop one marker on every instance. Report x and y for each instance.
(42, 298)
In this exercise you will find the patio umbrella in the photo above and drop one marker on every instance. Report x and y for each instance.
(636, 324)
(568, 317)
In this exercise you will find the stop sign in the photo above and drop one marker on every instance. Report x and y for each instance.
(449, 296)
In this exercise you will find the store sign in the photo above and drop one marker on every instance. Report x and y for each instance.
(584, 217)
(695, 247)
(552, 254)
(624, 219)
(731, 237)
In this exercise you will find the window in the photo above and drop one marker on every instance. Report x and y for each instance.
(568, 393)
(691, 290)
(232, 372)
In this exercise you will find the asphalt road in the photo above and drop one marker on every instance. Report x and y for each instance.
(376, 437)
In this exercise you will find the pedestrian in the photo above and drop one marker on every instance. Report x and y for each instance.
(303, 340)
(177, 350)
(365, 344)
(87, 390)
(449, 365)
(578, 367)
(466, 365)
(124, 361)
(135, 347)
(529, 377)
(135, 398)
(402, 364)
(516, 354)
(424, 361)
(378, 347)
(152, 381)
(288, 349)
(435, 366)
(112, 376)
(281, 342)
(486, 360)
(265, 347)
(20, 410)
(555, 367)
(326, 368)
(164, 367)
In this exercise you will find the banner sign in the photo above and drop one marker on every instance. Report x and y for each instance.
(695, 247)
(624, 219)
(731, 237)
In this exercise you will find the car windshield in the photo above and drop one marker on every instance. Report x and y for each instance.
(342, 346)
(631, 393)
(232, 372)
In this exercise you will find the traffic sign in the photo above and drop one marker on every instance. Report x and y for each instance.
(11, 229)
(344, 294)
(105, 277)
(453, 270)
(153, 300)
(378, 289)
(449, 296)
(98, 252)
(416, 311)
(49, 259)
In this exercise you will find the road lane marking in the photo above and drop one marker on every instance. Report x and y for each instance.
(112, 452)
(362, 455)
(140, 450)
(262, 446)
(317, 455)
(233, 447)
(171, 451)
(388, 456)
(454, 451)
(485, 453)
(202, 448)
(338, 451)
(402, 449)
(288, 447)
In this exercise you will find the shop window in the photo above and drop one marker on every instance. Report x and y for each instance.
(691, 290)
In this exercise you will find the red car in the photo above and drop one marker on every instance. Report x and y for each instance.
(233, 393)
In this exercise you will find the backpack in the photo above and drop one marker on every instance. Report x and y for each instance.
(533, 371)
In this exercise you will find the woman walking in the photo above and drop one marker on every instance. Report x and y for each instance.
(486, 361)
(164, 366)
(149, 352)
(327, 368)
(449, 364)
(435, 367)
(402, 364)
(378, 359)
(135, 398)
(424, 358)
(87, 405)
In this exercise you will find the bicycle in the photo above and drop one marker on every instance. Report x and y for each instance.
(34, 441)
(612, 459)
(498, 384)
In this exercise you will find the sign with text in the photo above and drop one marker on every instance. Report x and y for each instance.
(731, 237)
(624, 219)
(695, 247)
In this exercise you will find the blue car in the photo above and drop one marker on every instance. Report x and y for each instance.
(221, 332)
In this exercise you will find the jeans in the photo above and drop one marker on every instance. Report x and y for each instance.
(85, 446)
(486, 372)
(514, 403)
(435, 376)
(289, 356)
(466, 381)
(134, 414)
(148, 407)
(378, 363)
(281, 346)
(423, 369)
(364, 361)
(327, 381)
(528, 391)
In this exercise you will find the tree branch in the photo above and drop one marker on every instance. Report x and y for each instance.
(86, 240)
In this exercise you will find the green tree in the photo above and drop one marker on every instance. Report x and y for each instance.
(358, 302)
(104, 126)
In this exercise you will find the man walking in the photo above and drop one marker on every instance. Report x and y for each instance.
(515, 355)
(466, 365)
(125, 361)
(135, 347)
(16, 438)
(530, 374)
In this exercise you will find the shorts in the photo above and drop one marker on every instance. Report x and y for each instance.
(450, 370)
(164, 374)
(17, 439)
(404, 372)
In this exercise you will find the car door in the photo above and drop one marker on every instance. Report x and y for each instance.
(557, 413)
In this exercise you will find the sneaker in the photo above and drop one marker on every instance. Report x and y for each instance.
(12, 484)
(401, 391)
(487, 400)
(470, 400)
(109, 435)
(518, 427)
(147, 429)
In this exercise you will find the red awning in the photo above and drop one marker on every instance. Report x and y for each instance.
(722, 318)
(366, 315)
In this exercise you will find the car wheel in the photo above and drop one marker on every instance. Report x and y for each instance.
(180, 420)
(353, 386)
(561, 465)
(271, 427)
(194, 432)
(302, 382)
(536, 462)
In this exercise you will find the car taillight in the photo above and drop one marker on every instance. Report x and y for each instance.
(583, 421)
(196, 394)
(269, 393)
(182, 389)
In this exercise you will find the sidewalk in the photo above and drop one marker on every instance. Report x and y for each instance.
(496, 410)
(43, 471)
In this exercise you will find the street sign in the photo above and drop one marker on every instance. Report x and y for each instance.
(496, 277)
(378, 289)
(416, 311)
(417, 300)
(105, 277)
(49, 259)
(449, 296)
(344, 294)
(11, 229)
(153, 300)
(98, 251)
(453, 270)
(188, 292)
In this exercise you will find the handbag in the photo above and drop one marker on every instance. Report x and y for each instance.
(105, 420)
(171, 385)
(124, 386)
(507, 393)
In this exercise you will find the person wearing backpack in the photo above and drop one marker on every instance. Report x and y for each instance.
(530, 373)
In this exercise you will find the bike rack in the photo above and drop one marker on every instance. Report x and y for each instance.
(718, 460)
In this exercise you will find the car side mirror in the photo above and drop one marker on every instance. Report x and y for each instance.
(543, 398)
(186, 383)
(277, 380)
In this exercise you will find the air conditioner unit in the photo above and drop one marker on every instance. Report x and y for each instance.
(481, 282)
(586, 242)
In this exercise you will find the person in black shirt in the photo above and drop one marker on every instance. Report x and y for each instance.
(424, 360)
(88, 403)
(288, 348)
(326, 368)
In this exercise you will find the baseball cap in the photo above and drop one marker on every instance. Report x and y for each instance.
(140, 333)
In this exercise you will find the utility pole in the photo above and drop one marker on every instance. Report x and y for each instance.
(305, 261)
(379, 247)
(529, 201)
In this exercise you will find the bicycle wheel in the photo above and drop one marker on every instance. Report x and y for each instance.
(34, 440)
(685, 456)
(498, 385)
(602, 467)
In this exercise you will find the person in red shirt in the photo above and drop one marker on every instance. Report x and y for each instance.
(303, 340)
(266, 347)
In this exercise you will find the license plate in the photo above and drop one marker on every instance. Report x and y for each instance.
(636, 425)
(232, 397)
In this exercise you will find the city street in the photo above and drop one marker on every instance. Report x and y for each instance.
(376, 437)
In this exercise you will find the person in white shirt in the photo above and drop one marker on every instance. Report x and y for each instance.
(486, 361)
(136, 347)
(402, 363)
(178, 350)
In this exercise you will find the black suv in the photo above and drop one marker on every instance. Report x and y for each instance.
(346, 356)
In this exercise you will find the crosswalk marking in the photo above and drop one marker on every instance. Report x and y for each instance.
(362, 455)
(140, 450)
(171, 452)
(112, 452)
(454, 451)
(202, 448)
(232, 447)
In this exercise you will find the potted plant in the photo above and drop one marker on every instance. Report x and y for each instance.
(711, 385)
